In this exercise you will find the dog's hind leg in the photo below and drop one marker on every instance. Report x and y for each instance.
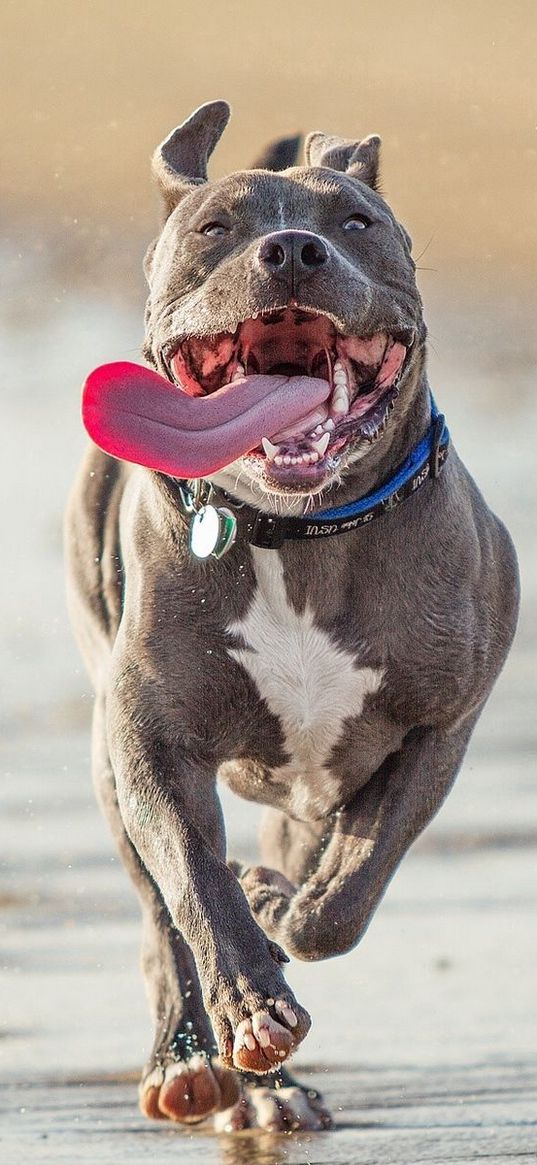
(181, 1080)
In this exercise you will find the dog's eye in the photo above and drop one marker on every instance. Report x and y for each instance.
(356, 222)
(213, 228)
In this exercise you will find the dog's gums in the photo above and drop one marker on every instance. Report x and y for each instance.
(362, 377)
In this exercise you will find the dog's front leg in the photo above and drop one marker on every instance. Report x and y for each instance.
(330, 912)
(172, 815)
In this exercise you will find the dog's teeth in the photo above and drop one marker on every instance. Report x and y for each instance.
(322, 444)
(270, 449)
(340, 401)
(308, 458)
(238, 374)
(329, 425)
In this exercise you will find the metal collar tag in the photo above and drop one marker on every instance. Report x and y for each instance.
(212, 531)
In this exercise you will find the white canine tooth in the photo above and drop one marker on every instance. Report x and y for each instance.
(322, 444)
(270, 449)
(238, 373)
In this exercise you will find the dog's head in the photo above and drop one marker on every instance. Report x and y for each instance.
(298, 275)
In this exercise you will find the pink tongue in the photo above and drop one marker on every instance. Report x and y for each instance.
(137, 415)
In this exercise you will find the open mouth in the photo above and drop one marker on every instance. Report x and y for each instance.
(332, 389)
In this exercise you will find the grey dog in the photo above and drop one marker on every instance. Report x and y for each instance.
(334, 679)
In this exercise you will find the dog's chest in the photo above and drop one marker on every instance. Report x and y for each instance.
(309, 683)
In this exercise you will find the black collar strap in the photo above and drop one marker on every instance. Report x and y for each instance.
(270, 531)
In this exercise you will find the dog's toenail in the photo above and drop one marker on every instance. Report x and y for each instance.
(286, 1012)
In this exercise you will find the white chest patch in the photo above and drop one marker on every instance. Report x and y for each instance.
(308, 682)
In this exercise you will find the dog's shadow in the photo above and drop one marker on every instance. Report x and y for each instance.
(266, 1148)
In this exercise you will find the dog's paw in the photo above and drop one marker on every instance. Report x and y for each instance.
(276, 1110)
(187, 1091)
(269, 895)
(266, 1038)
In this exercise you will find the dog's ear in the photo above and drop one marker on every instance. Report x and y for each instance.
(279, 155)
(360, 159)
(180, 162)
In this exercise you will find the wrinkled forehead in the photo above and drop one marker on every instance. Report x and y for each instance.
(294, 198)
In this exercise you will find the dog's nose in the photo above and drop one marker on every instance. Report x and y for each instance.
(293, 255)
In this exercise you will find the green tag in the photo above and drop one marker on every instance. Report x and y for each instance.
(212, 531)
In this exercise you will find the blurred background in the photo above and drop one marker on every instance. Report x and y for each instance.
(88, 91)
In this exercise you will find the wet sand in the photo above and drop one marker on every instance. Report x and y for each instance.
(423, 1038)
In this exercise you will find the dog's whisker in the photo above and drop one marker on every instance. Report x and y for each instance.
(426, 248)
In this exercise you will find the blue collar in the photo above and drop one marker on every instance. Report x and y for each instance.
(436, 436)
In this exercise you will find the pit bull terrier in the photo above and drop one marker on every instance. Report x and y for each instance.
(313, 608)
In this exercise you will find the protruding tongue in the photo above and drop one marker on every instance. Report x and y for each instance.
(137, 415)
